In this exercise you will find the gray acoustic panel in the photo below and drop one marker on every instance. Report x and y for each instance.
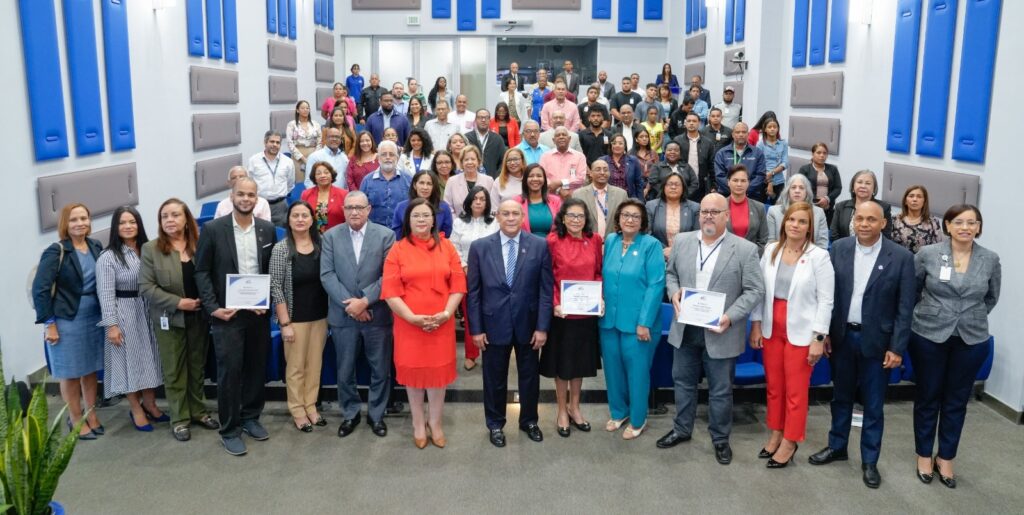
(102, 189)
(323, 94)
(945, 189)
(283, 90)
(805, 131)
(738, 86)
(282, 56)
(697, 45)
(279, 120)
(693, 69)
(324, 70)
(382, 5)
(795, 162)
(323, 42)
(729, 67)
(215, 130)
(212, 174)
(102, 236)
(564, 5)
(817, 90)
(213, 85)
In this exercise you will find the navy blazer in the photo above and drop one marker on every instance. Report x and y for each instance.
(64, 303)
(509, 315)
(375, 125)
(634, 175)
(216, 256)
(887, 309)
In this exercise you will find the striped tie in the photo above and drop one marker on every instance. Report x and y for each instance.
(510, 263)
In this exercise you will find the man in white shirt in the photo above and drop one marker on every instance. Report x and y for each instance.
(225, 206)
(333, 154)
(464, 119)
(441, 128)
(607, 88)
(732, 112)
(274, 176)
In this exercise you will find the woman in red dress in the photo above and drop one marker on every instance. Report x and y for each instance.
(423, 285)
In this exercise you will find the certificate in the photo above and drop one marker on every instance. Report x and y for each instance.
(247, 292)
(701, 308)
(581, 298)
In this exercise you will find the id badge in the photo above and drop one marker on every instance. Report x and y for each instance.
(165, 323)
(718, 136)
(945, 273)
(606, 139)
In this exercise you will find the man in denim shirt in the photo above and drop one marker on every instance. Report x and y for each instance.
(385, 187)
(737, 153)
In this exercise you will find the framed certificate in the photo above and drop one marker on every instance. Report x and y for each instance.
(247, 291)
(701, 308)
(581, 298)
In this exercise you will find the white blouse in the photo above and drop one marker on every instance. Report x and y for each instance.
(464, 234)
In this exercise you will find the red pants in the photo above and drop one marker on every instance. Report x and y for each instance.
(789, 378)
(471, 351)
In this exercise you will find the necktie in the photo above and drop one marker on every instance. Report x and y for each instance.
(510, 262)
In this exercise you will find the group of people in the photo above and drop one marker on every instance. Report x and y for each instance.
(382, 253)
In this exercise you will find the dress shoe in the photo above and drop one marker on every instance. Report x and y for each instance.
(146, 428)
(763, 454)
(233, 445)
(564, 432)
(723, 453)
(533, 432)
(348, 425)
(320, 421)
(947, 481)
(99, 430)
(582, 426)
(871, 476)
(420, 443)
(439, 441)
(255, 430)
(393, 409)
(182, 433)
(672, 439)
(305, 428)
(379, 428)
(91, 435)
(162, 418)
(497, 437)
(613, 425)
(208, 422)
(827, 455)
(772, 464)
(924, 477)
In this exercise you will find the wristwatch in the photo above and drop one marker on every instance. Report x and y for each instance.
(819, 337)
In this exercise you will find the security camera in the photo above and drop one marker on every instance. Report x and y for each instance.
(739, 55)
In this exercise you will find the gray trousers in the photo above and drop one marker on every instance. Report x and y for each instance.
(376, 342)
(279, 213)
(687, 362)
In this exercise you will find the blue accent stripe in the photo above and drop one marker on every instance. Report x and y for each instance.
(652, 9)
(819, 26)
(441, 9)
(272, 16)
(214, 36)
(703, 14)
(904, 75)
(601, 10)
(466, 13)
(730, 16)
(293, 22)
(936, 77)
(739, 30)
(627, 15)
(490, 9)
(694, 10)
(119, 75)
(317, 17)
(837, 31)
(230, 31)
(282, 17)
(42, 77)
(330, 14)
(689, 16)
(83, 69)
(974, 93)
(801, 9)
(194, 27)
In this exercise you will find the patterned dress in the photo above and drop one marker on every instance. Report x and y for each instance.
(913, 237)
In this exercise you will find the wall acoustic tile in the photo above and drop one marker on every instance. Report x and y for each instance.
(697, 45)
(817, 90)
(729, 67)
(215, 130)
(324, 70)
(323, 42)
(213, 85)
(282, 56)
(383, 5)
(212, 174)
(283, 90)
(564, 5)
(945, 189)
(805, 131)
(102, 189)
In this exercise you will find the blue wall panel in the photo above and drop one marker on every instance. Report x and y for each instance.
(627, 15)
(230, 31)
(695, 15)
(801, 9)
(819, 27)
(936, 77)
(119, 74)
(652, 10)
(703, 14)
(282, 17)
(317, 16)
(293, 21)
(194, 27)
(466, 14)
(837, 31)
(904, 75)
(441, 9)
(730, 19)
(601, 10)
(739, 29)
(272, 16)
(490, 9)
(42, 78)
(330, 14)
(214, 34)
(689, 16)
(83, 71)
(974, 93)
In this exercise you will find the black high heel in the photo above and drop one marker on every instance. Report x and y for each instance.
(564, 432)
(947, 481)
(772, 464)
(763, 454)
(91, 435)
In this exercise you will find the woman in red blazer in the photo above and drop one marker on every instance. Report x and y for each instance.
(328, 200)
(506, 126)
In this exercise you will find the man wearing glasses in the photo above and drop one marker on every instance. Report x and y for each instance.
(332, 153)
(351, 268)
(714, 260)
(530, 145)
(386, 186)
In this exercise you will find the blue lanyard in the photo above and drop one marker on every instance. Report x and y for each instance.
(712, 253)
(273, 171)
(597, 200)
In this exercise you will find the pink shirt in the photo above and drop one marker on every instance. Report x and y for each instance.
(572, 114)
(563, 169)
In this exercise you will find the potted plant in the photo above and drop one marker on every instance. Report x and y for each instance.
(32, 454)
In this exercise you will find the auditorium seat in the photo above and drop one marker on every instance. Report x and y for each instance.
(206, 212)
(281, 233)
(661, 366)
(822, 373)
(749, 367)
(296, 193)
(986, 367)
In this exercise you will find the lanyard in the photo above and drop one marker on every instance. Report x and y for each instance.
(737, 157)
(603, 206)
(273, 171)
(712, 253)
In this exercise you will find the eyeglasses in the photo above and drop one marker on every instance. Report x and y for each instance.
(630, 216)
(711, 213)
(356, 208)
(962, 223)
(421, 216)
(514, 160)
(575, 216)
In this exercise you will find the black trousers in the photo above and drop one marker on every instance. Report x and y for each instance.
(495, 372)
(241, 347)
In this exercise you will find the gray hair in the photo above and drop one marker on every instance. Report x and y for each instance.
(237, 167)
(874, 178)
(267, 135)
(784, 194)
(357, 194)
(387, 142)
(531, 122)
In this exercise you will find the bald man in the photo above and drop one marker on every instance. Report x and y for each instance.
(224, 207)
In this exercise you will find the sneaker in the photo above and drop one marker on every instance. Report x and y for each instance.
(233, 445)
(254, 429)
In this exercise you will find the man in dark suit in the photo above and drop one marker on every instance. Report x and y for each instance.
(513, 74)
(875, 293)
(489, 143)
(509, 303)
(238, 243)
(570, 77)
(351, 269)
(702, 159)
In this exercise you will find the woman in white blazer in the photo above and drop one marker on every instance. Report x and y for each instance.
(791, 325)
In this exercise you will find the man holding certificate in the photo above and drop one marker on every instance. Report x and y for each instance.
(714, 280)
(232, 261)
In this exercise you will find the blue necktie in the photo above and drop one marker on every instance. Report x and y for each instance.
(510, 263)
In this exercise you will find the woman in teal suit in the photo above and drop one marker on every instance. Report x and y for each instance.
(633, 285)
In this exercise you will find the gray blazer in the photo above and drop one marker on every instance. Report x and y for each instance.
(344, 279)
(737, 274)
(774, 220)
(757, 231)
(689, 218)
(615, 197)
(962, 305)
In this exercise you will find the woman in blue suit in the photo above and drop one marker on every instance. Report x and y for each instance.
(633, 285)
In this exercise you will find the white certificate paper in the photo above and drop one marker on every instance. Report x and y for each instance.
(701, 308)
(581, 298)
(247, 291)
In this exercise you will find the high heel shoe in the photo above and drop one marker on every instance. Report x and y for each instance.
(763, 454)
(421, 443)
(564, 432)
(631, 433)
(924, 477)
(99, 430)
(438, 441)
(162, 418)
(146, 428)
(582, 426)
(947, 481)
(91, 435)
(772, 464)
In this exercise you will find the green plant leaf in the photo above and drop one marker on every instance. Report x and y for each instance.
(16, 467)
(54, 467)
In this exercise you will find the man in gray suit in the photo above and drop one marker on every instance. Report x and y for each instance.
(351, 269)
(712, 260)
(601, 198)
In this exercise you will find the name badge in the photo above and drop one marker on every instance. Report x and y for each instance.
(631, 101)
(718, 136)
(586, 109)
(605, 139)
(945, 274)
(165, 324)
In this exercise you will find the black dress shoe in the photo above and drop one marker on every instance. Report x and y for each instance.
(947, 481)
(379, 428)
(763, 454)
(320, 422)
(723, 453)
(393, 409)
(348, 425)
(672, 439)
(305, 428)
(871, 476)
(564, 432)
(497, 438)
(772, 464)
(827, 455)
(924, 477)
(533, 432)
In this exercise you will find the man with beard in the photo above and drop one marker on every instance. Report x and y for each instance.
(388, 116)
(274, 176)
